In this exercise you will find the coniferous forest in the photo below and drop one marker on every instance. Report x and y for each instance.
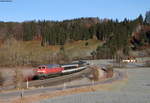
(117, 36)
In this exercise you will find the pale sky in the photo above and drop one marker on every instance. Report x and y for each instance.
(24, 10)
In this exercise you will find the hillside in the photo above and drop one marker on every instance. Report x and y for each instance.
(31, 53)
(38, 42)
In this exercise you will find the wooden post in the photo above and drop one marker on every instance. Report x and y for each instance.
(21, 96)
(64, 87)
(27, 83)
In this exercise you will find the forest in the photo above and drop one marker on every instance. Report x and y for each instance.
(118, 37)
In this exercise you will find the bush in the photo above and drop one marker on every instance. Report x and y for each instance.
(147, 63)
(18, 78)
(95, 73)
(109, 72)
(1, 79)
(87, 43)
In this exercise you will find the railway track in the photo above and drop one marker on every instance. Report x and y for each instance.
(4, 96)
(52, 81)
(57, 80)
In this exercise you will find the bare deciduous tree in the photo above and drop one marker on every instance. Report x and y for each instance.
(18, 78)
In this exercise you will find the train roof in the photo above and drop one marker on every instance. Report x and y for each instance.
(79, 62)
(50, 65)
(69, 65)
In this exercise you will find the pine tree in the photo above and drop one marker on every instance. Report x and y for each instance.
(147, 17)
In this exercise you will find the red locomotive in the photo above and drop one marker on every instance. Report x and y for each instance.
(48, 70)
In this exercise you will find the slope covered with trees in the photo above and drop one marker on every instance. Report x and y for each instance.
(118, 37)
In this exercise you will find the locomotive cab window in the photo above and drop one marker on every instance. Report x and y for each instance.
(70, 67)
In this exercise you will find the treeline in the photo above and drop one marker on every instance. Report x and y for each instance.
(49, 32)
(58, 33)
(119, 37)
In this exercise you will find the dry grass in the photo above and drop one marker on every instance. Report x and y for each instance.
(39, 97)
(79, 49)
(14, 52)
(18, 78)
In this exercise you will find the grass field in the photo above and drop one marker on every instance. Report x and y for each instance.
(31, 52)
(77, 48)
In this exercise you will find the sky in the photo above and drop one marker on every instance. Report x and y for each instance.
(58, 10)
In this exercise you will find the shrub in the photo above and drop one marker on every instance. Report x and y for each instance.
(1, 79)
(109, 71)
(95, 73)
(87, 43)
(18, 78)
(147, 63)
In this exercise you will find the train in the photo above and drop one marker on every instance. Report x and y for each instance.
(52, 70)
